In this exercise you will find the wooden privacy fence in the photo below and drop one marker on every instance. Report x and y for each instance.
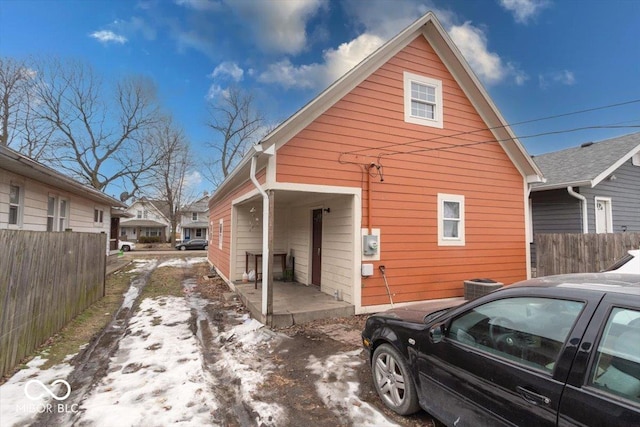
(581, 253)
(46, 279)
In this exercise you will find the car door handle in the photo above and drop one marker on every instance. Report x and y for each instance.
(533, 397)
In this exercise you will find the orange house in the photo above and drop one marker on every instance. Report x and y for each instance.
(405, 163)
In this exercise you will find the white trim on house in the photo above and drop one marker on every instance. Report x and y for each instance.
(608, 213)
(458, 240)
(605, 174)
(437, 120)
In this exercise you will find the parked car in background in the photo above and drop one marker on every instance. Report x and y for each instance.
(630, 263)
(559, 350)
(125, 246)
(193, 244)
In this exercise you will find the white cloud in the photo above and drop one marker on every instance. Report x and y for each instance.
(215, 91)
(230, 69)
(201, 5)
(318, 75)
(489, 67)
(133, 26)
(278, 26)
(106, 36)
(193, 180)
(564, 77)
(523, 10)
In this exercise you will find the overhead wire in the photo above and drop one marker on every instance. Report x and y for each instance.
(470, 132)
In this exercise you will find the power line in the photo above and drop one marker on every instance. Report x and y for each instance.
(603, 107)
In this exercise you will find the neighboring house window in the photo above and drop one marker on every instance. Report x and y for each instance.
(64, 213)
(194, 216)
(451, 224)
(98, 216)
(220, 230)
(422, 100)
(15, 204)
(604, 220)
(198, 232)
(146, 214)
(139, 214)
(51, 213)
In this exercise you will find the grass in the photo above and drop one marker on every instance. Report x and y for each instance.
(164, 281)
(87, 324)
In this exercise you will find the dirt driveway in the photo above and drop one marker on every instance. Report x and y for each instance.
(180, 351)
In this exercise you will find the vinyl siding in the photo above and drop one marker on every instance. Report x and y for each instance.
(555, 211)
(624, 192)
(370, 120)
(35, 203)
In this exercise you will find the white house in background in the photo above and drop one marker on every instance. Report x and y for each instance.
(194, 219)
(150, 219)
(35, 197)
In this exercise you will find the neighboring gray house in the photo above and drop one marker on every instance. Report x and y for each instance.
(194, 220)
(594, 188)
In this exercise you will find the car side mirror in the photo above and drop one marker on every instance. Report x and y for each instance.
(436, 334)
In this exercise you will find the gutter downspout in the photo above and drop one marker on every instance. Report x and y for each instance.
(585, 223)
(265, 232)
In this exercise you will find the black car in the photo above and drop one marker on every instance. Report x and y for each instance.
(554, 351)
(193, 244)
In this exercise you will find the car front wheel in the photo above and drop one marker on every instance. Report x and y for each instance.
(205, 247)
(393, 380)
(183, 248)
(125, 248)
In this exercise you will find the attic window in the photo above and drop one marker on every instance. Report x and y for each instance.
(422, 100)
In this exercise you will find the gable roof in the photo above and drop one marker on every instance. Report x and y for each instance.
(20, 164)
(586, 165)
(429, 27)
(160, 206)
(200, 205)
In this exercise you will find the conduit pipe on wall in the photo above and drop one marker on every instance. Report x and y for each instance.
(265, 226)
(585, 223)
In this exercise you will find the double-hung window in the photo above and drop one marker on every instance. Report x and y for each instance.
(451, 225)
(63, 216)
(422, 100)
(51, 213)
(15, 204)
(194, 216)
(98, 216)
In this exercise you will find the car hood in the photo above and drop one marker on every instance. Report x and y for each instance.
(416, 313)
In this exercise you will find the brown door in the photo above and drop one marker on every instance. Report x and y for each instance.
(316, 247)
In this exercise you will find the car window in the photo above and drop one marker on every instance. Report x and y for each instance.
(527, 330)
(617, 362)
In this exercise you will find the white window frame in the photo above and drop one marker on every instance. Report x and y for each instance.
(437, 121)
(63, 217)
(220, 232)
(451, 241)
(19, 206)
(194, 216)
(609, 213)
(98, 216)
(51, 216)
(138, 214)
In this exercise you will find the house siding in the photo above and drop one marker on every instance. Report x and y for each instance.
(555, 211)
(624, 192)
(35, 203)
(404, 206)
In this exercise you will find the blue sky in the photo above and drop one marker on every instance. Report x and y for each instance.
(536, 58)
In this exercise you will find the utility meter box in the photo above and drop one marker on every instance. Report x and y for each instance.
(369, 244)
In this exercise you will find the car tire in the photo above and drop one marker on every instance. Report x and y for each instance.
(125, 248)
(393, 380)
(205, 247)
(183, 248)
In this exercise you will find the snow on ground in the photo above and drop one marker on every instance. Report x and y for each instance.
(183, 262)
(23, 398)
(338, 388)
(156, 376)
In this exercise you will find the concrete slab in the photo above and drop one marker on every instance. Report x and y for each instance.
(293, 303)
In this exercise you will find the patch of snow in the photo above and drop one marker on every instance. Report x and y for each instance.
(17, 408)
(182, 262)
(156, 376)
(338, 388)
(142, 265)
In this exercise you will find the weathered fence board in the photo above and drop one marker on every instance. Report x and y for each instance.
(581, 253)
(46, 279)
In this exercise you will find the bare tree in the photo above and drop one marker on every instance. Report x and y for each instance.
(169, 179)
(100, 134)
(236, 124)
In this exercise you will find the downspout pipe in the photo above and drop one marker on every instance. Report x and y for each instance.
(265, 228)
(585, 223)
